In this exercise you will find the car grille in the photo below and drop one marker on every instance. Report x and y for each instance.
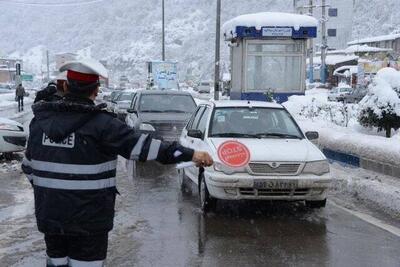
(274, 192)
(170, 131)
(281, 169)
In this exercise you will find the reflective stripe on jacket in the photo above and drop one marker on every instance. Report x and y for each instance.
(71, 161)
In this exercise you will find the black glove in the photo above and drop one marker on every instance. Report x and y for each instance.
(46, 93)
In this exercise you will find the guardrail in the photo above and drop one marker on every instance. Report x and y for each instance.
(361, 162)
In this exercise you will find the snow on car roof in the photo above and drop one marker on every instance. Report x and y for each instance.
(269, 19)
(244, 103)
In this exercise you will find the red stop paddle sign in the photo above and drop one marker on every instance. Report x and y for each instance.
(234, 154)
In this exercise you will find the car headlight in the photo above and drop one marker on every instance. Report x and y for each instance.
(146, 127)
(219, 167)
(317, 167)
(10, 127)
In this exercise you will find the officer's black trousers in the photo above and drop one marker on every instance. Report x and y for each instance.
(88, 248)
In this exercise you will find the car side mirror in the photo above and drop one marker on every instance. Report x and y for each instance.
(195, 134)
(132, 111)
(312, 135)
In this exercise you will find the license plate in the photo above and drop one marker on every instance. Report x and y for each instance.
(275, 184)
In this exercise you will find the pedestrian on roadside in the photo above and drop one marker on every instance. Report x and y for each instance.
(71, 161)
(54, 90)
(19, 95)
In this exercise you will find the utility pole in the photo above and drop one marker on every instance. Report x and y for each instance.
(324, 44)
(294, 6)
(163, 30)
(48, 65)
(311, 50)
(217, 51)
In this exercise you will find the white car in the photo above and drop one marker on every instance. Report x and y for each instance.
(12, 137)
(339, 93)
(281, 163)
(205, 87)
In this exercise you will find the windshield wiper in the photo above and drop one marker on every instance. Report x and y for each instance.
(282, 135)
(235, 135)
(152, 111)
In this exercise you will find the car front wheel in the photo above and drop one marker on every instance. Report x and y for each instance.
(207, 203)
(316, 204)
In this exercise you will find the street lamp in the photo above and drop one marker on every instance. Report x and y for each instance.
(217, 51)
(163, 30)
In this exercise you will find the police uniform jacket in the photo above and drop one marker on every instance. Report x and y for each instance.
(71, 161)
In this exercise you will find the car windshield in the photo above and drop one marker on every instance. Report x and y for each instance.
(253, 123)
(167, 103)
(114, 95)
(205, 84)
(344, 90)
(126, 96)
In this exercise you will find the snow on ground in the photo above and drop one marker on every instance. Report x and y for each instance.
(372, 188)
(348, 140)
(313, 112)
(9, 107)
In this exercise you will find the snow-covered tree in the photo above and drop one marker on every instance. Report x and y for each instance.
(380, 108)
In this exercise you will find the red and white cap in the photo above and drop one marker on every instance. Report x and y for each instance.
(85, 71)
(62, 76)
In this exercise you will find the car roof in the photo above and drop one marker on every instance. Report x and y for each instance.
(243, 103)
(163, 92)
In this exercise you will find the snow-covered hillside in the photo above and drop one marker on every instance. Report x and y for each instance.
(127, 32)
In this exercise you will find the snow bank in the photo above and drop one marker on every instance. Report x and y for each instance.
(380, 190)
(268, 19)
(314, 113)
(347, 140)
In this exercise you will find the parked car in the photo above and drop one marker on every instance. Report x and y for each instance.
(161, 112)
(204, 87)
(355, 95)
(282, 163)
(338, 93)
(12, 137)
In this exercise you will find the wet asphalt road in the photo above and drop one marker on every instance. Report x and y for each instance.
(157, 225)
(170, 230)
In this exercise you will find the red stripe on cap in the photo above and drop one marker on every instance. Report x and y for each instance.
(82, 77)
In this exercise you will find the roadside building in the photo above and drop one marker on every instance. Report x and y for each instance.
(339, 21)
(63, 57)
(333, 62)
(346, 75)
(389, 41)
(8, 70)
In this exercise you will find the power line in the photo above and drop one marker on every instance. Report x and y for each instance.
(69, 3)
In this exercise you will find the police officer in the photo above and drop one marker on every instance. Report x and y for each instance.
(54, 90)
(71, 161)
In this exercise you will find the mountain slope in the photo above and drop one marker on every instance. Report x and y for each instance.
(127, 33)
